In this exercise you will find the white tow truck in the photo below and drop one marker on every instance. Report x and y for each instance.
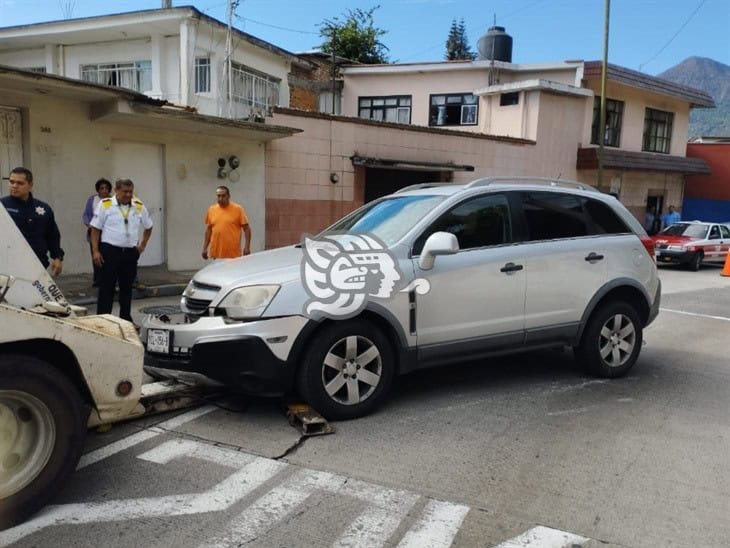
(61, 372)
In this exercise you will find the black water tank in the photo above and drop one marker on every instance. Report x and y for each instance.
(496, 45)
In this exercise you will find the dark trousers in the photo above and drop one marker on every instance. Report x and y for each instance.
(120, 267)
(97, 269)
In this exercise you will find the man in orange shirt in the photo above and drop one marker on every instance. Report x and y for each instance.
(224, 222)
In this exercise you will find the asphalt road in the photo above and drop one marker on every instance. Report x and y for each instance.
(469, 455)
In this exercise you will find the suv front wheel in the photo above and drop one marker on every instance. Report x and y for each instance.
(611, 341)
(348, 371)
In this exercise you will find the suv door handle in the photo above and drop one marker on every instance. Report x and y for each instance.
(593, 257)
(511, 267)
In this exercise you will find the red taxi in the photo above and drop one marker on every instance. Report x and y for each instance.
(692, 243)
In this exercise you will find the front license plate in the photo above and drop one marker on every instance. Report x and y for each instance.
(158, 340)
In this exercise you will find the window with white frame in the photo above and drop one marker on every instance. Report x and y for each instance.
(396, 109)
(657, 130)
(202, 74)
(253, 88)
(454, 109)
(136, 75)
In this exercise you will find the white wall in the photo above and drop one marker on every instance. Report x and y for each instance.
(68, 153)
(27, 58)
(205, 40)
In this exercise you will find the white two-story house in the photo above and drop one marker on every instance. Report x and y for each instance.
(176, 54)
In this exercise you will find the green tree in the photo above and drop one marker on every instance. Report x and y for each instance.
(457, 44)
(354, 36)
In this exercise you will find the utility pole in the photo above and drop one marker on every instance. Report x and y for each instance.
(334, 69)
(602, 116)
(229, 52)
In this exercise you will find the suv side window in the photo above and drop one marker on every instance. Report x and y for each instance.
(715, 232)
(551, 215)
(604, 220)
(725, 231)
(476, 222)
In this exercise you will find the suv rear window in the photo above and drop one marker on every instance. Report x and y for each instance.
(550, 215)
(604, 219)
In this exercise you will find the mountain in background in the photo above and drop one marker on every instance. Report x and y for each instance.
(714, 79)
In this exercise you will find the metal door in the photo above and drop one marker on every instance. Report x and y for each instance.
(143, 164)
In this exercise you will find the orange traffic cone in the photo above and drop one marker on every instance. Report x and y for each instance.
(726, 268)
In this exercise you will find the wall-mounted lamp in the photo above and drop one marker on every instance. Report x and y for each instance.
(334, 177)
(222, 168)
(234, 162)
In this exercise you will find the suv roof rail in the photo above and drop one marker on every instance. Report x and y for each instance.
(418, 186)
(486, 181)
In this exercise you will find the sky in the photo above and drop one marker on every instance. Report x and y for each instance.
(646, 35)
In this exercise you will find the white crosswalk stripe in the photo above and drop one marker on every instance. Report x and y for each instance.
(383, 510)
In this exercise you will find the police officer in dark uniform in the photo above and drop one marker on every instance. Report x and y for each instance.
(116, 246)
(35, 219)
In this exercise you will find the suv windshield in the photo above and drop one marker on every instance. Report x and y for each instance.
(389, 219)
(685, 229)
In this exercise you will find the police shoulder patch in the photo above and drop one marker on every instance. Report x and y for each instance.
(106, 203)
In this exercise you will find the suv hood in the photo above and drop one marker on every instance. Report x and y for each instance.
(275, 266)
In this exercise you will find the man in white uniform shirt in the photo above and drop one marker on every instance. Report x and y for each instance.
(116, 223)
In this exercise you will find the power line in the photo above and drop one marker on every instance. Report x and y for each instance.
(244, 19)
(674, 35)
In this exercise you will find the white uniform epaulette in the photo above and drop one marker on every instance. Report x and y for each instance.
(106, 203)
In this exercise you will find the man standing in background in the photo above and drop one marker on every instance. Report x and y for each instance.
(116, 247)
(670, 217)
(35, 219)
(225, 222)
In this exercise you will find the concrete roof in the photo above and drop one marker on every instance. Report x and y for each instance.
(128, 107)
(695, 97)
(118, 26)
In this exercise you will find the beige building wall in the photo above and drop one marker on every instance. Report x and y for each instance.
(634, 187)
(67, 153)
(300, 196)
(632, 127)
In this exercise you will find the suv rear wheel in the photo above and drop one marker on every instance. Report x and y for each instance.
(611, 341)
(348, 371)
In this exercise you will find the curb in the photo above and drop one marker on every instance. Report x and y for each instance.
(149, 292)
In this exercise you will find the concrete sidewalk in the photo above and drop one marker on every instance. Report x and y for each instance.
(155, 281)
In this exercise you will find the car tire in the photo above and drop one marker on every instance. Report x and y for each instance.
(695, 261)
(43, 428)
(348, 370)
(611, 341)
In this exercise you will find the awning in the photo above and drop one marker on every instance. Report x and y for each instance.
(131, 113)
(641, 161)
(407, 165)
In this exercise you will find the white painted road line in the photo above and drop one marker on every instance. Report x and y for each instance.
(437, 527)
(544, 537)
(722, 318)
(130, 441)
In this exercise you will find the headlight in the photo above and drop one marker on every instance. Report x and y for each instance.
(248, 302)
(677, 248)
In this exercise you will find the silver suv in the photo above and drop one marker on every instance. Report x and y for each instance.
(432, 274)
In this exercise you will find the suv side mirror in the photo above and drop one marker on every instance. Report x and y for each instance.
(438, 243)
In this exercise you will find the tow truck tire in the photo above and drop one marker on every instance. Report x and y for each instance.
(695, 261)
(42, 431)
(612, 340)
(347, 371)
